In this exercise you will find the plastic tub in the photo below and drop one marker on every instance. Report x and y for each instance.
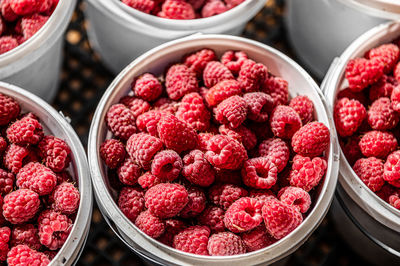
(370, 225)
(120, 33)
(56, 124)
(155, 62)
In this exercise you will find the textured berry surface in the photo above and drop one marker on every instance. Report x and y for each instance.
(242, 134)
(260, 172)
(136, 105)
(257, 238)
(198, 61)
(381, 115)
(388, 54)
(276, 150)
(213, 217)
(26, 234)
(351, 95)
(145, 6)
(37, 177)
(22, 255)
(65, 198)
(7, 43)
(377, 144)
(232, 111)
(121, 121)
(142, 148)
(382, 88)
(172, 228)
(348, 116)
(278, 89)
(129, 172)
(147, 122)
(216, 72)
(306, 172)
(395, 98)
(252, 75)
(15, 157)
(25, 131)
(284, 122)
(147, 180)
(225, 244)
(177, 9)
(295, 196)
(193, 239)
(304, 107)
(392, 168)
(212, 8)
(147, 87)
(370, 171)
(151, 225)
(56, 153)
(54, 229)
(234, 60)
(259, 105)
(131, 202)
(9, 109)
(243, 215)
(166, 165)
(180, 80)
(221, 91)
(193, 112)
(32, 24)
(6, 182)
(20, 206)
(196, 204)
(311, 140)
(361, 72)
(224, 195)
(197, 169)
(262, 195)
(112, 152)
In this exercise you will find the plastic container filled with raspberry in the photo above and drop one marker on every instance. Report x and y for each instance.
(120, 33)
(35, 36)
(198, 160)
(362, 89)
(46, 194)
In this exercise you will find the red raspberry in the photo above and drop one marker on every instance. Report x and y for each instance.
(243, 215)
(172, 228)
(136, 105)
(26, 234)
(392, 168)
(6, 182)
(142, 148)
(225, 153)
(215, 72)
(193, 112)
(121, 121)
(284, 122)
(20, 206)
(45, 6)
(166, 200)
(225, 244)
(370, 171)
(6, 10)
(3, 145)
(259, 172)
(257, 238)
(65, 198)
(295, 196)
(262, 195)
(348, 116)
(234, 60)
(276, 150)
(4, 239)
(280, 218)
(131, 202)
(306, 172)
(196, 203)
(193, 239)
(232, 111)
(351, 149)
(9, 109)
(24, 7)
(395, 98)
(56, 152)
(145, 6)
(377, 144)
(176, 135)
(233, 3)
(221, 91)
(224, 195)
(37, 177)
(212, 8)
(197, 61)
(32, 24)
(167, 105)
(129, 172)
(381, 88)
(278, 89)
(15, 157)
(7, 43)
(148, 121)
(241, 134)
(151, 225)
(388, 54)
(304, 107)
(260, 105)
(223, 176)
(180, 80)
(361, 73)
(381, 116)
(311, 140)
(147, 87)
(394, 200)
(54, 229)
(252, 75)
(177, 9)
(22, 255)
(203, 140)
(166, 165)
(25, 131)
(213, 217)
(351, 95)
(197, 169)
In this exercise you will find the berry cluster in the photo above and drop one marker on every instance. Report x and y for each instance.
(183, 9)
(38, 200)
(367, 115)
(213, 158)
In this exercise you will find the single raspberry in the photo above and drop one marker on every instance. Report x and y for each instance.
(351, 149)
(45, 6)
(234, 60)
(361, 73)
(351, 95)
(15, 157)
(212, 8)
(166, 165)
(241, 134)
(348, 116)
(197, 61)
(232, 111)
(260, 105)
(20, 206)
(54, 229)
(296, 197)
(180, 80)
(193, 239)
(225, 244)
(311, 140)
(65, 198)
(5, 233)
(7, 43)
(262, 195)
(121, 121)
(233, 3)
(148, 121)
(22, 255)
(304, 107)
(388, 54)
(6, 182)
(56, 153)
(381, 116)
(26, 234)
(131, 202)
(177, 9)
(223, 176)
(224, 195)
(145, 6)
(306, 172)
(147, 87)
(395, 98)
(203, 140)
(221, 91)
(213, 217)
(172, 228)
(129, 172)
(167, 105)
(193, 112)
(37, 177)
(394, 200)
(215, 72)
(142, 148)
(25, 131)
(24, 7)
(276, 150)
(252, 75)
(136, 105)
(243, 215)
(6, 11)
(260, 173)
(370, 171)
(284, 121)
(197, 169)
(382, 88)
(377, 144)
(196, 203)
(32, 24)
(147, 180)
(151, 225)
(280, 218)
(392, 168)
(9, 109)
(278, 89)
(257, 238)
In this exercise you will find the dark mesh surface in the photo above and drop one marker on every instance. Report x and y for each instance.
(83, 82)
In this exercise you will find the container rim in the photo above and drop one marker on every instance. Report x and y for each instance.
(386, 9)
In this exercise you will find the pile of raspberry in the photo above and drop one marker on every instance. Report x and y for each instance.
(367, 114)
(21, 19)
(183, 9)
(38, 198)
(213, 158)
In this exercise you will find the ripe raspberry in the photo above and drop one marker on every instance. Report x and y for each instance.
(260, 173)
(193, 239)
(22, 255)
(225, 153)
(3, 249)
(377, 144)
(203, 140)
(147, 87)
(32, 24)
(25, 131)
(243, 215)
(276, 150)
(213, 217)
(306, 172)
(221, 91)
(166, 200)
(257, 238)
(295, 196)
(167, 105)
(351, 149)
(26, 234)
(20, 206)
(136, 105)
(15, 157)
(129, 172)
(7, 12)
(394, 200)
(278, 89)
(196, 203)
(260, 105)
(234, 60)
(24, 7)
(166, 165)
(45, 6)
(225, 244)
(395, 98)
(370, 171)
(65, 198)
(348, 116)
(215, 72)
(392, 168)
(381, 116)
(148, 121)
(284, 122)
(197, 169)
(252, 75)
(311, 140)
(56, 153)
(121, 121)
(193, 112)
(145, 6)
(197, 61)
(224, 195)
(54, 229)
(9, 109)
(5, 233)
(241, 134)
(37, 177)
(172, 228)
(131, 202)
(361, 73)
(232, 111)
(388, 54)
(304, 107)
(180, 80)
(6, 182)
(150, 224)
(262, 195)
(233, 3)
(177, 9)
(212, 8)
(142, 148)
(7, 43)
(351, 95)
(382, 88)
(280, 218)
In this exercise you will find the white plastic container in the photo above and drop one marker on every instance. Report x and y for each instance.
(120, 33)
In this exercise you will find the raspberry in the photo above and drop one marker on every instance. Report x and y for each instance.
(215, 72)
(311, 140)
(25, 131)
(15, 157)
(225, 153)
(381, 88)
(197, 169)
(9, 109)
(241, 134)
(295, 196)
(370, 171)
(394, 200)
(306, 172)
(26, 234)
(260, 105)
(198, 61)
(150, 224)
(233, 3)
(129, 172)
(348, 116)
(396, 72)
(4, 246)
(6, 182)
(223, 176)
(172, 228)
(213, 217)
(121, 121)
(260, 173)
(224, 195)
(381, 116)
(351, 149)
(193, 112)
(225, 244)
(65, 198)
(166, 165)
(276, 150)
(56, 153)
(7, 43)
(20, 205)
(177, 9)
(193, 239)
(232, 111)
(176, 135)
(203, 140)
(148, 121)
(22, 255)
(180, 80)
(221, 91)
(395, 98)
(392, 168)
(284, 122)
(147, 180)
(6, 10)
(24, 7)
(361, 73)
(243, 215)
(278, 89)
(257, 238)
(44, 6)
(304, 107)
(377, 144)
(131, 202)
(234, 60)
(37, 177)
(351, 95)
(385, 192)
(54, 229)
(388, 54)
(5, 233)
(212, 8)
(262, 195)
(252, 75)
(32, 24)
(142, 148)
(145, 6)
(166, 200)
(280, 218)
(147, 87)
(136, 105)
(196, 203)
(167, 105)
